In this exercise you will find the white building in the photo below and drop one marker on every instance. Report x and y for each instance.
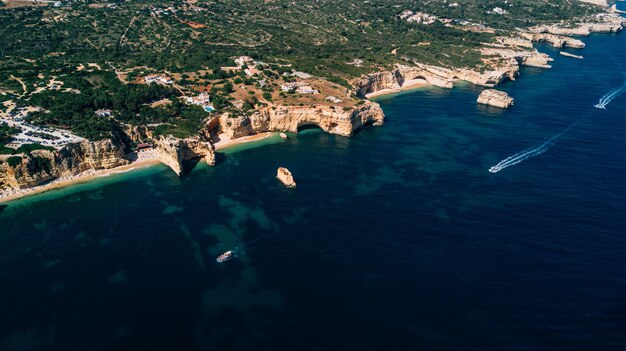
(104, 113)
(200, 100)
(243, 60)
(499, 11)
(305, 89)
(158, 79)
(292, 86)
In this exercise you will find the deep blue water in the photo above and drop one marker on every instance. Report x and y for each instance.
(397, 238)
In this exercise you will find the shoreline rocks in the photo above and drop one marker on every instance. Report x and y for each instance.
(331, 119)
(495, 98)
(285, 177)
(173, 152)
(567, 54)
(42, 166)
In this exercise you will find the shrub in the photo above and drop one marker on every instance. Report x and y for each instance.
(14, 161)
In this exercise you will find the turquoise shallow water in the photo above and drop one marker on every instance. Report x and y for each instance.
(396, 238)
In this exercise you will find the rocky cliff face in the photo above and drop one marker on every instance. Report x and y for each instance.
(42, 165)
(506, 68)
(603, 23)
(596, 2)
(395, 78)
(333, 120)
(495, 98)
(558, 41)
(503, 58)
(173, 152)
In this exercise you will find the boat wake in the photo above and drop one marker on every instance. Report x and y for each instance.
(524, 155)
(610, 96)
(538, 150)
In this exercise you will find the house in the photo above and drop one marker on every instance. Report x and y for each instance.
(499, 11)
(250, 71)
(243, 60)
(306, 89)
(203, 100)
(104, 113)
(288, 87)
(158, 79)
(200, 100)
(151, 79)
(422, 18)
(166, 80)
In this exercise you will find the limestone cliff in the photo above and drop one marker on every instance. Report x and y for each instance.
(602, 23)
(173, 152)
(138, 133)
(495, 98)
(558, 41)
(596, 2)
(507, 67)
(41, 166)
(331, 119)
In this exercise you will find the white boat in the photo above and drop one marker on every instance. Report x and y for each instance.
(225, 256)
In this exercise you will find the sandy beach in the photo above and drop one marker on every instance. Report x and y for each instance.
(408, 84)
(144, 159)
(226, 141)
(77, 179)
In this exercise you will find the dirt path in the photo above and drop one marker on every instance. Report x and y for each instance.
(127, 28)
(22, 83)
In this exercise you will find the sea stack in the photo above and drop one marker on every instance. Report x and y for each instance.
(285, 177)
(495, 98)
(283, 136)
(564, 53)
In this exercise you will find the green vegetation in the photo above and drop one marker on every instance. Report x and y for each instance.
(24, 149)
(336, 40)
(6, 132)
(14, 161)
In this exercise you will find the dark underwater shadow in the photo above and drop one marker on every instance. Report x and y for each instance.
(3, 207)
(219, 158)
(189, 166)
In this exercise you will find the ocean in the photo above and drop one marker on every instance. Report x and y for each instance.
(397, 238)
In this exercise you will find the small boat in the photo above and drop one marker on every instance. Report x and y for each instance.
(225, 256)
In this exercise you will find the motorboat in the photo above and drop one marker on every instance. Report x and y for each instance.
(225, 256)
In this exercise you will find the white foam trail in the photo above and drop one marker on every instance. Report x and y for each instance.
(606, 99)
(524, 155)
(532, 152)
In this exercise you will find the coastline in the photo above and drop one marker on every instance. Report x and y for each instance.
(223, 143)
(151, 160)
(226, 142)
(409, 84)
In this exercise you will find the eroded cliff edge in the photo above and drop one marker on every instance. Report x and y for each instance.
(331, 119)
(42, 166)
(174, 152)
(501, 59)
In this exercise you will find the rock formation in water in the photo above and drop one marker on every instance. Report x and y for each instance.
(564, 53)
(495, 98)
(501, 59)
(505, 67)
(285, 176)
(42, 166)
(334, 120)
(173, 152)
